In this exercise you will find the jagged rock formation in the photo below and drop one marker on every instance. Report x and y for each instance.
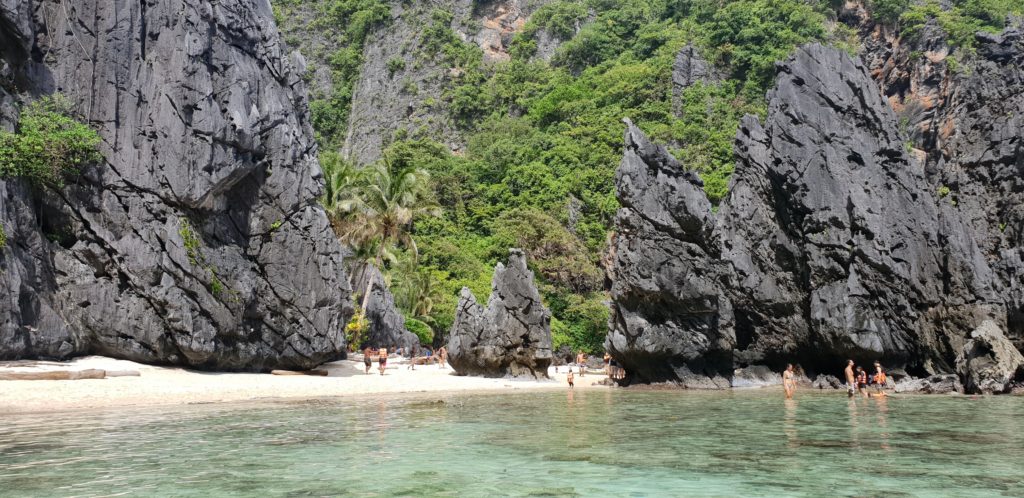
(668, 308)
(198, 241)
(964, 122)
(988, 362)
(831, 244)
(512, 336)
(386, 322)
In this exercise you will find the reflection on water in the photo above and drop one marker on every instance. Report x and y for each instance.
(584, 443)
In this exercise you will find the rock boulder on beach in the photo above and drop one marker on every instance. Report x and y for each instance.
(988, 362)
(511, 336)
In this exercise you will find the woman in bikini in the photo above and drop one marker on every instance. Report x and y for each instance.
(789, 381)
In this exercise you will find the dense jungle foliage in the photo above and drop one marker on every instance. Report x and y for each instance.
(543, 138)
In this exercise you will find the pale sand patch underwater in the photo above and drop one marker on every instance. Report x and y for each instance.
(176, 386)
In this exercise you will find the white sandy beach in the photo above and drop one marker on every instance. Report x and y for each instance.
(174, 386)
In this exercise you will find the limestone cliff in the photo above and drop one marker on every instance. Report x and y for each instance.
(836, 239)
(198, 240)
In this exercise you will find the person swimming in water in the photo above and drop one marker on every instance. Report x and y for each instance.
(789, 381)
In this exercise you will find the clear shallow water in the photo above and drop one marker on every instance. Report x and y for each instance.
(589, 443)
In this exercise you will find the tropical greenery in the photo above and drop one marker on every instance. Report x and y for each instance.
(373, 208)
(50, 143)
(543, 135)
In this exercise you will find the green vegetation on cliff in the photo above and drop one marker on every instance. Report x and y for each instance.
(543, 131)
(50, 143)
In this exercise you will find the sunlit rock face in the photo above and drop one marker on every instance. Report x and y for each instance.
(511, 337)
(198, 240)
(834, 241)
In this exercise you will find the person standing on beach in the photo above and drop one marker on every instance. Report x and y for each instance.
(581, 360)
(382, 360)
(442, 357)
(851, 380)
(608, 364)
(789, 381)
(569, 378)
(368, 358)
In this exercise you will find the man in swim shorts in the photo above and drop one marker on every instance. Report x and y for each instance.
(368, 358)
(851, 379)
(382, 360)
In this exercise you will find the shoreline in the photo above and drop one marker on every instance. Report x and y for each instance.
(164, 386)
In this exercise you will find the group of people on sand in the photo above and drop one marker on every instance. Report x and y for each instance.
(857, 380)
(611, 368)
(381, 354)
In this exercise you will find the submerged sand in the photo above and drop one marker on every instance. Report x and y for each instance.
(176, 386)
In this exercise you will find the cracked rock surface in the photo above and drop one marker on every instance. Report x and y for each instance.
(511, 336)
(198, 240)
(386, 322)
(989, 362)
(833, 242)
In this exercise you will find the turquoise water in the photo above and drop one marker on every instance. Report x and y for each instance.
(587, 443)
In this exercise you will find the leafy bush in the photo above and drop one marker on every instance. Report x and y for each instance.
(395, 64)
(3, 237)
(888, 11)
(49, 145)
(961, 21)
(422, 330)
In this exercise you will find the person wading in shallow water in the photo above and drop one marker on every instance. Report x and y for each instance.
(851, 380)
(382, 360)
(789, 381)
(879, 380)
(862, 381)
(569, 378)
(368, 358)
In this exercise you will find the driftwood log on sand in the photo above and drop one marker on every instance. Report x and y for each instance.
(91, 373)
(319, 373)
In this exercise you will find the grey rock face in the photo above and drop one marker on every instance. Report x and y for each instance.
(669, 317)
(198, 241)
(830, 245)
(827, 382)
(407, 101)
(755, 376)
(964, 127)
(989, 362)
(690, 68)
(511, 336)
(386, 322)
(935, 384)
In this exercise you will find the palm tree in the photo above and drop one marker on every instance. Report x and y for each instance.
(375, 206)
(416, 290)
